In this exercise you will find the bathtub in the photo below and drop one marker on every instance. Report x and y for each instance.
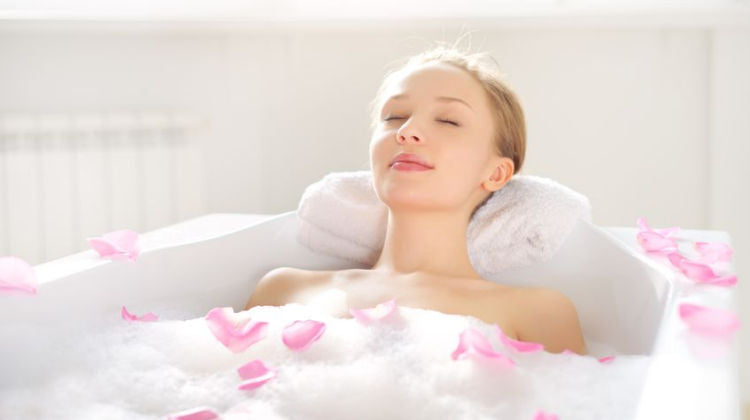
(625, 299)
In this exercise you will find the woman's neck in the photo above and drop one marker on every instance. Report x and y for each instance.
(426, 242)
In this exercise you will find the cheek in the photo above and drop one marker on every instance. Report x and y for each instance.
(467, 162)
(378, 151)
(468, 155)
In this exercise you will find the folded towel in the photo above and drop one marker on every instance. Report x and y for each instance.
(523, 223)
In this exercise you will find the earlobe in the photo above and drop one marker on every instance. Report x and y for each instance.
(498, 179)
(493, 184)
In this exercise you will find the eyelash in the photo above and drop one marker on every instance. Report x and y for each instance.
(445, 121)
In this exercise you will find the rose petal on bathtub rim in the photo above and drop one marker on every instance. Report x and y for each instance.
(653, 242)
(691, 269)
(255, 373)
(299, 335)
(644, 227)
(106, 250)
(117, 245)
(236, 335)
(712, 252)
(709, 321)
(148, 317)
(520, 346)
(198, 413)
(606, 359)
(380, 312)
(472, 341)
(17, 276)
(642, 224)
(724, 281)
(541, 415)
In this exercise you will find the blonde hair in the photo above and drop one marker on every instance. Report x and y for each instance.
(508, 116)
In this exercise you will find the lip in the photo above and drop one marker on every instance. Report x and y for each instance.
(411, 158)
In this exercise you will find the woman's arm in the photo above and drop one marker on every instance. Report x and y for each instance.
(550, 318)
(273, 288)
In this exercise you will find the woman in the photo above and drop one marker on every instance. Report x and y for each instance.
(447, 133)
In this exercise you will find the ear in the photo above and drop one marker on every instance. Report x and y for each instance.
(502, 173)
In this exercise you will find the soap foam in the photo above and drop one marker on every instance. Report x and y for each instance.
(147, 370)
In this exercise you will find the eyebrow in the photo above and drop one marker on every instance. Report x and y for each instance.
(439, 98)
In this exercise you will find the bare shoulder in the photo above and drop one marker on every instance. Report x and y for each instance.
(495, 304)
(278, 284)
(549, 317)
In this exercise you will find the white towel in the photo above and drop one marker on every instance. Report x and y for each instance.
(524, 222)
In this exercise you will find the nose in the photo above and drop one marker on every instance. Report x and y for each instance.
(408, 131)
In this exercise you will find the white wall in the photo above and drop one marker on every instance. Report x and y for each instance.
(646, 121)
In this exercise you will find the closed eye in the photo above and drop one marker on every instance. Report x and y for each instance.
(443, 121)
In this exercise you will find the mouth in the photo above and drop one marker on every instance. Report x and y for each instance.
(409, 166)
(404, 160)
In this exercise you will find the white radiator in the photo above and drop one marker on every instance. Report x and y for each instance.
(64, 178)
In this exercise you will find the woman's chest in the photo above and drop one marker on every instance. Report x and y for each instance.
(335, 293)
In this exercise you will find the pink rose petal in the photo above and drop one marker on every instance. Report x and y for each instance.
(380, 312)
(255, 373)
(236, 334)
(198, 413)
(692, 270)
(653, 242)
(643, 226)
(709, 321)
(131, 317)
(17, 276)
(606, 359)
(472, 341)
(541, 415)
(299, 335)
(521, 346)
(712, 252)
(117, 245)
(701, 273)
(725, 281)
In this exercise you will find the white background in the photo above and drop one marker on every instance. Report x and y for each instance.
(643, 107)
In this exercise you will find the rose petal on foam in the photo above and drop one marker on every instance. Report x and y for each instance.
(380, 312)
(473, 341)
(712, 252)
(709, 321)
(606, 359)
(255, 374)
(16, 275)
(236, 335)
(521, 346)
(117, 245)
(299, 335)
(198, 413)
(541, 415)
(131, 317)
(652, 241)
(691, 269)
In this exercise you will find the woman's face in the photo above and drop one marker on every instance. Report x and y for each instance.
(453, 135)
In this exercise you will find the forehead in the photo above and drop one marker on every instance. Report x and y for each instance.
(437, 79)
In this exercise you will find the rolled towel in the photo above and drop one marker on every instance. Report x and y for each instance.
(523, 223)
